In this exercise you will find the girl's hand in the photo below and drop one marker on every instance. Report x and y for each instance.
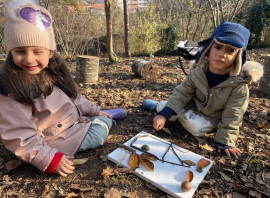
(65, 166)
(234, 151)
(105, 114)
(159, 122)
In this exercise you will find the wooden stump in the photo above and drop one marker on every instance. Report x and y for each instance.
(87, 69)
(264, 86)
(145, 69)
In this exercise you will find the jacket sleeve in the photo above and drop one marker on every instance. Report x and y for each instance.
(86, 107)
(19, 134)
(232, 116)
(181, 95)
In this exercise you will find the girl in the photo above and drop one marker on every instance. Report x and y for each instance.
(215, 90)
(43, 119)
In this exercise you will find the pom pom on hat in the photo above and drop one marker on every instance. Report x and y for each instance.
(228, 33)
(28, 24)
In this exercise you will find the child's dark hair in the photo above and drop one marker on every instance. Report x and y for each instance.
(24, 88)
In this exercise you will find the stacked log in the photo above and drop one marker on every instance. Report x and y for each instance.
(145, 69)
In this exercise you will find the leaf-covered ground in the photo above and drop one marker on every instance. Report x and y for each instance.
(119, 87)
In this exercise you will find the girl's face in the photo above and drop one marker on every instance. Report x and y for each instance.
(221, 57)
(31, 59)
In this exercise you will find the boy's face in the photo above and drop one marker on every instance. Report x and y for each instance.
(221, 57)
(31, 59)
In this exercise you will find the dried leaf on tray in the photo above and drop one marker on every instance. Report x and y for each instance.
(148, 156)
(190, 176)
(202, 163)
(148, 164)
(134, 161)
(189, 162)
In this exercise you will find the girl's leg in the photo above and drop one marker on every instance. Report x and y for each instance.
(97, 133)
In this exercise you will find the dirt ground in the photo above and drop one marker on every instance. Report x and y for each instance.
(117, 86)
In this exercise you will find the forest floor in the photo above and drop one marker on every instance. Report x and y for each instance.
(249, 176)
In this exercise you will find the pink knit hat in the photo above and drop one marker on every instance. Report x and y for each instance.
(28, 24)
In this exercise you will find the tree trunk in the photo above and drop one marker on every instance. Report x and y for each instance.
(1, 64)
(264, 86)
(126, 20)
(109, 30)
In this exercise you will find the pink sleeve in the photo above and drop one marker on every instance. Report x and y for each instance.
(86, 107)
(19, 134)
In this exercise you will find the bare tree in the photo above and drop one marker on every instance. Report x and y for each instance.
(223, 10)
(109, 30)
(126, 20)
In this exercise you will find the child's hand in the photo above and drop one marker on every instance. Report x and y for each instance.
(158, 122)
(105, 114)
(234, 151)
(65, 166)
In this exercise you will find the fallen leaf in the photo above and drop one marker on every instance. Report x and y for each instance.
(78, 187)
(266, 137)
(259, 179)
(115, 171)
(107, 172)
(148, 164)
(190, 176)
(225, 176)
(113, 193)
(79, 161)
(266, 175)
(134, 160)
(254, 193)
(189, 162)
(261, 126)
(206, 147)
(12, 164)
(202, 164)
(148, 156)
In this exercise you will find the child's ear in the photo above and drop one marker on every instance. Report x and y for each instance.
(51, 53)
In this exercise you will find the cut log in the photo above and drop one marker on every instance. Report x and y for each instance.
(264, 86)
(87, 69)
(145, 69)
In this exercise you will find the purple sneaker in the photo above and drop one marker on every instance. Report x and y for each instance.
(117, 113)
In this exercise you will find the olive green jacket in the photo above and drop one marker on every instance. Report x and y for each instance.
(223, 105)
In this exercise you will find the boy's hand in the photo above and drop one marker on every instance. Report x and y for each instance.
(65, 166)
(158, 122)
(234, 151)
(105, 114)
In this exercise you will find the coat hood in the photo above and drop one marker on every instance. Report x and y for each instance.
(250, 70)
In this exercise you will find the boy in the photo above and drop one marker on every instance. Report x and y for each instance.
(214, 90)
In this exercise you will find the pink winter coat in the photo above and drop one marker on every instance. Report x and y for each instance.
(53, 124)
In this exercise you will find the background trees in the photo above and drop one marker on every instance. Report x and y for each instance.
(156, 28)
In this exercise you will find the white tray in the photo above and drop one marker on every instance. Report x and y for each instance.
(167, 177)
